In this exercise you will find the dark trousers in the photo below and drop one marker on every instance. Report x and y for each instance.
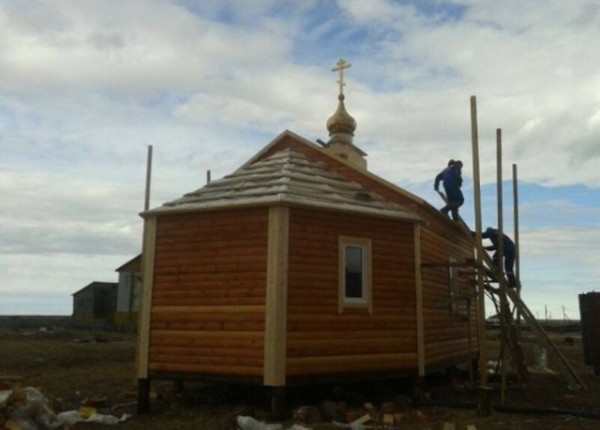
(455, 200)
(509, 262)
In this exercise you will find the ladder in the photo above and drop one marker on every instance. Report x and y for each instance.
(512, 336)
(508, 330)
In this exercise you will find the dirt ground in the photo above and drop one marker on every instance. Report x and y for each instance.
(70, 366)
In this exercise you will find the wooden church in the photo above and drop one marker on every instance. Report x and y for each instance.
(302, 266)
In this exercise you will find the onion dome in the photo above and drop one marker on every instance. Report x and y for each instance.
(341, 123)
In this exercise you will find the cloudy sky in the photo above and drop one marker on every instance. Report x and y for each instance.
(86, 86)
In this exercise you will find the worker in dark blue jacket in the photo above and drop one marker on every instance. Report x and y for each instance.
(508, 248)
(451, 177)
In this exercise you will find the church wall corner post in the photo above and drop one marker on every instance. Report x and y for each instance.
(274, 372)
(145, 310)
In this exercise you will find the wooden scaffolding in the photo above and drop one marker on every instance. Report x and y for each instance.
(513, 316)
(492, 282)
(509, 305)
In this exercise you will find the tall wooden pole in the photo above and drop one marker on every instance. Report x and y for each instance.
(483, 355)
(504, 309)
(500, 249)
(516, 227)
(148, 177)
(516, 238)
(147, 264)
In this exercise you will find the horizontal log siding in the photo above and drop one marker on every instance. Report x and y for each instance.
(322, 341)
(208, 305)
(441, 238)
(447, 333)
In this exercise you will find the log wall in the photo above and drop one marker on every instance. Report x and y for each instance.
(319, 339)
(449, 333)
(448, 336)
(208, 303)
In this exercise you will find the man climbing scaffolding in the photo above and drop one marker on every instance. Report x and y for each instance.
(508, 248)
(451, 177)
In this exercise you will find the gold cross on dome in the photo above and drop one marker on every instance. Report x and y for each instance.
(340, 66)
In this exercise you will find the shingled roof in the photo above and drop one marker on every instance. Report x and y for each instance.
(288, 177)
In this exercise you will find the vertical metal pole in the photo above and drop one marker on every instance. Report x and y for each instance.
(483, 355)
(208, 177)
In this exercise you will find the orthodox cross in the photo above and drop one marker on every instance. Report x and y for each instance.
(340, 66)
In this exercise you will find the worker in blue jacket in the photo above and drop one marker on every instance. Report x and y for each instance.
(451, 177)
(508, 248)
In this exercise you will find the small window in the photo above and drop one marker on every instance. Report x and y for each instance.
(354, 273)
(453, 285)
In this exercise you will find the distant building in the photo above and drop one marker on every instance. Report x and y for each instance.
(128, 295)
(95, 304)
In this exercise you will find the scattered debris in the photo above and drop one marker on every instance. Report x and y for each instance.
(89, 415)
(26, 408)
(249, 423)
(95, 401)
(333, 411)
(452, 426)
(390, 415)
(308, 414)
(536, 358)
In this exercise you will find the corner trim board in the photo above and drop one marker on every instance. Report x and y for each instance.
(149, 249)
(276, 297)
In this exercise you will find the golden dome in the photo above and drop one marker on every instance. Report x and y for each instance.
(341, 122)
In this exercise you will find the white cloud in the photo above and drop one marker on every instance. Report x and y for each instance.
(536, 82)
(564, 246)
(86, 86)
(377, 12)
(133, 47)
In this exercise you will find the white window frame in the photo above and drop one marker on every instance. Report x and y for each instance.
(364, 302)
